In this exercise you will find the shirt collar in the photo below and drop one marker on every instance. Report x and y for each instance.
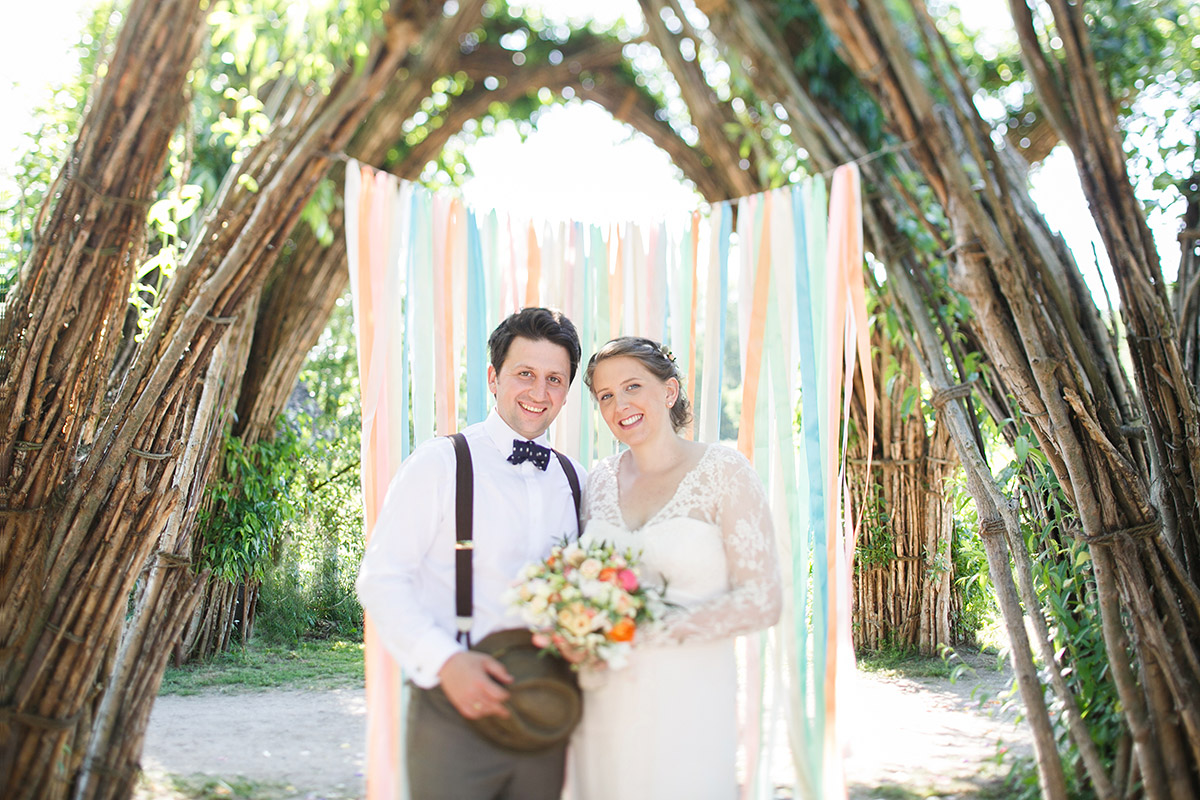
(502, 435)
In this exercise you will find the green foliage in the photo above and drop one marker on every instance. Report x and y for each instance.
(1146, 51)
(830, 82)
(877, 544)
(202, 787)
(1065, 584)
(242, 523)
(969, 562)
(256, 51)
(309, 590)
(325, 664)
(900, 662)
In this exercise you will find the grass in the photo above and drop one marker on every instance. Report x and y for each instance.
(322, 664)
(993, 789)
(207, 787)
(904, 663)
(897, 663)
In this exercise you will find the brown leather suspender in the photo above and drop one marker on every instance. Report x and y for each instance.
(464, 545)
(464, 522)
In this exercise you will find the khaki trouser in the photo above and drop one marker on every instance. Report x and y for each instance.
(447, 760)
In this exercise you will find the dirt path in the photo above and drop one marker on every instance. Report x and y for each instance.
(933, 737)
(926, 735)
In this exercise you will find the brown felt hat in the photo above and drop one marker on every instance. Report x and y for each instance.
(544, 701)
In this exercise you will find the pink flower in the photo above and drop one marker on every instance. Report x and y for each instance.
(628, 579)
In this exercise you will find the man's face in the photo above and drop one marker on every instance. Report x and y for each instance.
(531, 385)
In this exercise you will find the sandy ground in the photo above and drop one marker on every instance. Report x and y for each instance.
(933, 737)
(929, 736)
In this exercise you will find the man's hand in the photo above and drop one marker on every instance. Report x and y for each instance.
(469, 679)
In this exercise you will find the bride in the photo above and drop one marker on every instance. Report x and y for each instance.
(664, 725)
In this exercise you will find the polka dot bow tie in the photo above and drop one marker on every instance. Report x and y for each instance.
(528, 451)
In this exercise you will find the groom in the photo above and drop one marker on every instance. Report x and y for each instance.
(407, 580)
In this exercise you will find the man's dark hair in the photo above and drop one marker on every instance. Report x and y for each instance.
(535, 324)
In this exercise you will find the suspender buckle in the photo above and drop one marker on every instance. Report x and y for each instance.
(464, 624)
(464, 544)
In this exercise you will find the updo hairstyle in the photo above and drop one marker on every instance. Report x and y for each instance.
(656, 358)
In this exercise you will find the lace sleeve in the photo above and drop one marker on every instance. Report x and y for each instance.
(754, 599)
(589, 498)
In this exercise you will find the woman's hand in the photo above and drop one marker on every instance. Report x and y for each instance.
(573, 655)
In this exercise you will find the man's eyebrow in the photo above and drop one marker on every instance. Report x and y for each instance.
(552, 370)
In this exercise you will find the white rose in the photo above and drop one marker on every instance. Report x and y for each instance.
(617, 655)
(573, 554)
(593, 589)
(590, 568)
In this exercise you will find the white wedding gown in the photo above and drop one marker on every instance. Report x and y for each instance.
(665, 725)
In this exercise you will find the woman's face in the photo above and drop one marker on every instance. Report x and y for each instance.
(635, 404)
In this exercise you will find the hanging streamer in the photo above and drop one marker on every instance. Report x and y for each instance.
(384, 735)
(476, 335)
(755, 327)
(689, 301)
(533, 276)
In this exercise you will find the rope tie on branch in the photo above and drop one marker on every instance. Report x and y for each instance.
(151, 456)
(220, 320)
(1134, 532)
(169, 560)
(30, 445)
(903, 461)
(874, 154)
(73, 637)
(101, 251)
(1133, 429)
(8, 713)
(876, 69)
(99, 767)
(993, 526)
(969, 246)
(101, 196)
(12, 512)
(340, 156)
(943, 396)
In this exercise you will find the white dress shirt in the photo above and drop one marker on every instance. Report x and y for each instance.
(406, 582)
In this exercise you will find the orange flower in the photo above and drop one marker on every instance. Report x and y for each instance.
(622, 631)
(608, 574)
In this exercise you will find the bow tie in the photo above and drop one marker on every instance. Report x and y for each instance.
(528, 451)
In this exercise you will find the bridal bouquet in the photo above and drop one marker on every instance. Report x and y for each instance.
(585, 598)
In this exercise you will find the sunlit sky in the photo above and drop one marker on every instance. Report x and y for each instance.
(578, 164)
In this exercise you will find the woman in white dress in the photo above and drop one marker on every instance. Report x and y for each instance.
(665, 725)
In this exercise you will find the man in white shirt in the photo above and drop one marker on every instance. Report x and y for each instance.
(407, 580)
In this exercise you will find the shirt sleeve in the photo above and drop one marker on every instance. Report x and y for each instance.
(755, 596)
(413, 518)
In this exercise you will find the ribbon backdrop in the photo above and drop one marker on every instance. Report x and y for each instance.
(430, 279)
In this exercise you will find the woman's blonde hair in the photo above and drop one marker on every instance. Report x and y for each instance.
(656, 358)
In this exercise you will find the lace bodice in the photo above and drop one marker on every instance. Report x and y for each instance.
(712, 545)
